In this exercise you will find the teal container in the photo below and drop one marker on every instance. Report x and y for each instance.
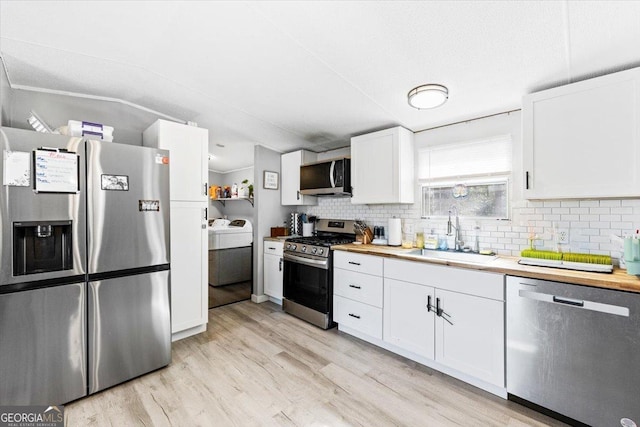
(633, 267)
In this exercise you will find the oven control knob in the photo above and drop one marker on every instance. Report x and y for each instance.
(304, 249)
(288, 246)
(293, 248)
(314, 250)
(321, 251)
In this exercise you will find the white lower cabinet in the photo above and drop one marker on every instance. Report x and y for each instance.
(451, 319)
(472, 340)
(273, 269)
(357, 296)
(461, 325)
(357, 315)
(408, 322)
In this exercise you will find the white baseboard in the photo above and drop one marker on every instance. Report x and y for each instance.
(188, 332)
(259, 298)
(491, 388)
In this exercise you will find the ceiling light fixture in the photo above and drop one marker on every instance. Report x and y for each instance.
(428, 96)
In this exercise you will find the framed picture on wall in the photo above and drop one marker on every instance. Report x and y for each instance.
(270, 181)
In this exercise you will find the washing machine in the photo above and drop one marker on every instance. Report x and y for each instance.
(230, 251)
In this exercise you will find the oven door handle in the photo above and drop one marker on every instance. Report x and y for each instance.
(324, 264)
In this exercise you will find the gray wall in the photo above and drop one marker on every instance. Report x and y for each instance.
(6, 95)
(56, 110)
(269, 212)
(215, 208)
(232, 209)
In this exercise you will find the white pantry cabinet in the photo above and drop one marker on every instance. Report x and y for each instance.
(273, 269)
(582, 140)
(189, 267)
(290, 178)
(187, 147)
(382, 167)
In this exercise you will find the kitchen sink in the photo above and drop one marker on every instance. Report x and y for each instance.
(471, 257)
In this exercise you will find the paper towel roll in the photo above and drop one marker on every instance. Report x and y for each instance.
(394, 236)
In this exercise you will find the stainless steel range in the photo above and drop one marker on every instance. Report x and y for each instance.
(308, 272)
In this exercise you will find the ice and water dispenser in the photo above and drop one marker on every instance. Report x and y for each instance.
(41, 247)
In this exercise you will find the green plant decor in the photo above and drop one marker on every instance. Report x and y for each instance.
(249, 187)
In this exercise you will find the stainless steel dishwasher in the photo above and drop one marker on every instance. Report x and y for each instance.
(574, 350)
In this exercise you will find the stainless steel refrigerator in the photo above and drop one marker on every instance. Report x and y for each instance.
(84, 278)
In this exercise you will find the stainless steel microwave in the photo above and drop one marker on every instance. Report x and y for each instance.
(326, 178)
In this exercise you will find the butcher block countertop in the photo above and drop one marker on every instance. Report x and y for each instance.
(618, 280)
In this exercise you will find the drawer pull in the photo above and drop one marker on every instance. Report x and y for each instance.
(271, 249)
(355, 286)
(354, 263)
(354, 315)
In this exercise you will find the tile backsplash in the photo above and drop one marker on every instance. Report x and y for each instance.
(590, 223)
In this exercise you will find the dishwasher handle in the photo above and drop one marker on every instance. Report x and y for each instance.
(568, 301)
(571, 302)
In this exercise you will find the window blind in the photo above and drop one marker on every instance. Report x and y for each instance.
(466, 159)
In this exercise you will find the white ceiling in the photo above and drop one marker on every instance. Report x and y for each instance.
(303, 74)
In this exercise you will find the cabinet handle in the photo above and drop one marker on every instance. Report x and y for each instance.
(441, 313)
(206, 188)
(354, 315)
(526, 180)
(206, 214)
(270, 248)
(298, 195)
(354, 263)
(280, 265)
(429, 306)
(355, 286)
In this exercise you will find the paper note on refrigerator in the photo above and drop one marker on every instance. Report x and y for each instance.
(17, 168)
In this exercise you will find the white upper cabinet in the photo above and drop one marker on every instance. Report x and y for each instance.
(290, 183)
(188, 146)
(582, 140)
(382, 167)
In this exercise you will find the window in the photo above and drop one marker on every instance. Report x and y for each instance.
(473, 176)
(482, 200)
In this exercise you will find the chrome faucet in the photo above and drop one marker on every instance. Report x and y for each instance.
(458, 242)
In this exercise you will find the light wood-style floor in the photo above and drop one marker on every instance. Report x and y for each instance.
(257, 366)
(223, 295)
